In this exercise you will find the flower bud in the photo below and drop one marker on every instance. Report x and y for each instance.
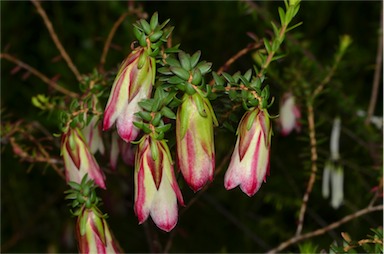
(133, 83)
(195, 141)
(156, 188)
(250, 159)
(93, 234)
(78, 160)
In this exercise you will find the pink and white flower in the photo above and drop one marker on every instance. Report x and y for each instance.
(249, 164)
(78, 159)
(133, 83)
(195, 141)
(156, 188)
(289, 115)
(122, 148)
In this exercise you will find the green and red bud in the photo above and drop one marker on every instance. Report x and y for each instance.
(195, 140)
(78, 159)
(250, 159)
(133, 83)
(93, 234)
(156, 188)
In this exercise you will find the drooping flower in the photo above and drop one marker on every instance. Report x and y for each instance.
(249, 164)
(133, 83)
(195, 141)
(122, 148)
(333, 173)
(93, 234)
(289, 115)
(78, 159)
(92, 134)
(156, 188)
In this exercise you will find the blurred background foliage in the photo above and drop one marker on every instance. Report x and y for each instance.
(34, 215)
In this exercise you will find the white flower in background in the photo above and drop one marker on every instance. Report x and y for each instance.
(333, 174)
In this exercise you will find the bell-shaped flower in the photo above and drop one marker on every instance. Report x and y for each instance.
(195, 140)
(156, 188)
(92, 134)
(250, 159)
(333, 180)
(133, 83)
(289, 116)
(93, 234)
(78, 159)
(122, 148)
(333, 174)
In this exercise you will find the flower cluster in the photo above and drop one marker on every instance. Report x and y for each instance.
(156, 88)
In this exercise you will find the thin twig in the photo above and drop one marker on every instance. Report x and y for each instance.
(244, 51)
(312, 178)
(38, 74)
(323, 230)
(109, 39)
(56, 40)
(376, 77)
(230, 61)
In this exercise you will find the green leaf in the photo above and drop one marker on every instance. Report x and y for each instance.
(228, 77)
(164, 24)
(154, 150)
(180, 72)
(156, 105)
(146, 104)
(167, 112)
(163, 128)
(154, 21)
(196, 76)
(146, 116)
(275, 45)
(251, 119)
(142, 60)
(248, 74)
(277, 57)
(276, 31)
(143, 40)
(204, 67)
(164, 70)
(137, 32)
(175, 80)
(154, 52)
(189, 88)
(293, 27)
(83, 223)
(184, 60)
(173, 62)
(155, 36)
(156, 119)
(282, 15)
(145, 25)
(219, 81)
(195, 58)
(200, 105)
(267, 45)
